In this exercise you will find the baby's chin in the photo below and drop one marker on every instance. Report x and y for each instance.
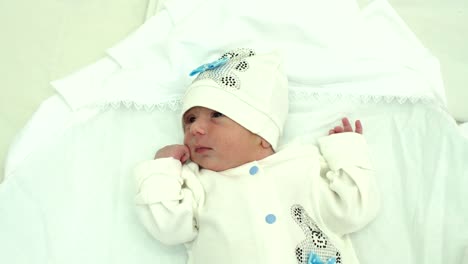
(213, 165)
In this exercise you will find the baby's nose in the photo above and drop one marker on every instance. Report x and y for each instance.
(198, 127)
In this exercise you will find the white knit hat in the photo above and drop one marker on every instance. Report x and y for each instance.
(248, 88)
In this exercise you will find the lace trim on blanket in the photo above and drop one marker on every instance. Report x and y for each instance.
(170, 105)
(176, 104)
(358, 98)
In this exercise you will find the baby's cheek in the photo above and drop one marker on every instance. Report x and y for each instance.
(186, 138)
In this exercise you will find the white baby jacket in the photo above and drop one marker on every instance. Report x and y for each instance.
(280, 209)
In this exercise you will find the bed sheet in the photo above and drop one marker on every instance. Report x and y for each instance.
(67, 196)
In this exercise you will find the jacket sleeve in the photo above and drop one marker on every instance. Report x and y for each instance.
(349, 197)
(165, 204)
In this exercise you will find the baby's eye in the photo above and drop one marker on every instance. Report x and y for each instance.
(216, 114)
(189, 119)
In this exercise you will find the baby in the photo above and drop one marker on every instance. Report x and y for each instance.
(232, 195)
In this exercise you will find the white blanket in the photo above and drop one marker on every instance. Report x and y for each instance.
(329, 50)
(68, 192)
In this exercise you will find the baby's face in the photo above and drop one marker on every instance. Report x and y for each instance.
(216, 142)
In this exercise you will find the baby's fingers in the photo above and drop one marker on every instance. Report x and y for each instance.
(358, 126)
(186, 155)
(338, 129)
(346, 125)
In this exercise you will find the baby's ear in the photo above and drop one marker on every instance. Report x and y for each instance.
(265, 144)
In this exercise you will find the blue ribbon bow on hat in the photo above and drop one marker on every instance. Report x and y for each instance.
(315, 259)
(209, 66)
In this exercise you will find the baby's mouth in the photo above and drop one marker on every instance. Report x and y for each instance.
(202, 149)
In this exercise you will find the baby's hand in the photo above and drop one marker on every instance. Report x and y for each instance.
(179, 152)
(346, 127)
